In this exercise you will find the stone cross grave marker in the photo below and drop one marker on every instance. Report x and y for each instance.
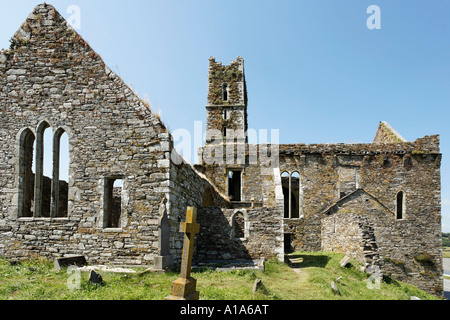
(184, 288)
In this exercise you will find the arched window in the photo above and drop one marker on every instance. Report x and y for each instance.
(43, 184)
(400, 205)
(238, 225)
(285, 183)
(225, 91)
(295, 195)
(292, 194)
(43, 173)
(26, 174)
(60, 187)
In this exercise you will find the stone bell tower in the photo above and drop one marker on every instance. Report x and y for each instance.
(227, 102)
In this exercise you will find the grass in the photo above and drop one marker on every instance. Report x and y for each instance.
(446, 252)
(308, 277)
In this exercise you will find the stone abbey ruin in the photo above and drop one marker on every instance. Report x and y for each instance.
(377, 202)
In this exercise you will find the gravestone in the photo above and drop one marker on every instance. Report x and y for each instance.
(164, 259)
(256, 285)
(95, 277)
(78, 261)
(184, 288)
(335, 288)
(345, 261)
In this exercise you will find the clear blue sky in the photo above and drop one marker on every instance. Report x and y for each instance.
(313, 68)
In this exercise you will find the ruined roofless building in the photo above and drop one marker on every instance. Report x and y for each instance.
(377, 202)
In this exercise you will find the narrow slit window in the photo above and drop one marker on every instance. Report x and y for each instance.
(400, 205)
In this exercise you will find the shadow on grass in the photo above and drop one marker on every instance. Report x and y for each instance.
(308, 260)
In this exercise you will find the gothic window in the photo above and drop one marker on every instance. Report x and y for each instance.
(225, 91)
(285, 182)
(292, 194)
(26, 174)
(43, 180)
(400, 205)
(295, 195)
(41, 192)
(112, 201)
(60, 187)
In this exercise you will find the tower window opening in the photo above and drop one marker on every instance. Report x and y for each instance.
(400, 205)
(225, 92)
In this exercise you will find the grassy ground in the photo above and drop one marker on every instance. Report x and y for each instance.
(307, 278)
(446, 252)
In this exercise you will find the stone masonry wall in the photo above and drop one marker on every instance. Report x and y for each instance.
(188, 188)
(51, 76)
(381, 170)
(263, 234)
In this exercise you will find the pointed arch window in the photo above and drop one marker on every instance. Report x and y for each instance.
(291, 185)
(285, 183)
(42, 187)
(60, 181)
(41, 191)
(295, 195)
(26, 174)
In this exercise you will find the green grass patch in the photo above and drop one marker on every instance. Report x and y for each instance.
(307, 277)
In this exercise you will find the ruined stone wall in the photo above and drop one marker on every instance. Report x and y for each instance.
(263, 234)
(257, 176)
(188, 187)
(382, 170)
(50, 75)
(342, 233)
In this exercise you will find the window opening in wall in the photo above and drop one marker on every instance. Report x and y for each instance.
(295, 195)
(224, 128)
(26, 173)
(238, 225)
(292, 195)
(286, 186)
(225, 91)
(60, 188)
(112, 202)
(43, 162)
(234, 185)
(47, 173)
(400, 208)
(43, 182)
